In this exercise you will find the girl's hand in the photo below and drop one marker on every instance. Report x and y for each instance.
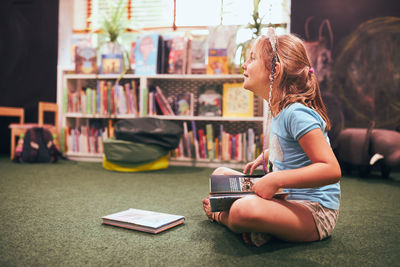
(265, 187)
(251, 166)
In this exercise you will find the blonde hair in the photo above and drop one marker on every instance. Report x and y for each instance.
(294, 81)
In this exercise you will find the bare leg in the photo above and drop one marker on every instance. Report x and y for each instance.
(286, 220)
(256, 239)
(216, 216)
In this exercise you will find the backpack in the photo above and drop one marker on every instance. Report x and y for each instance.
(38, 146)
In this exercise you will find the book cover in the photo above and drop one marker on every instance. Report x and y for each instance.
(81, 40)
(222, 37)
(85, 60)
(132, 55)
(198, 52)
(218, 61)
(225, 189)
(146, 54)
(184, 103)
(111, 64)
(210, 101)
(177, 56)
(143, 220)
(236, 101)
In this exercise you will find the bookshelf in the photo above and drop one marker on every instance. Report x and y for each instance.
(171, 85)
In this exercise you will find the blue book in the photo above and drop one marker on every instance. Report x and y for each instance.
(146, 54)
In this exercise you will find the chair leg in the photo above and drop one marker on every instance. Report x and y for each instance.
(12, 144)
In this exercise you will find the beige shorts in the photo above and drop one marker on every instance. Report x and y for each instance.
(324, 218)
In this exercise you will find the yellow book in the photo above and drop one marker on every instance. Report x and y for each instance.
(237, 101)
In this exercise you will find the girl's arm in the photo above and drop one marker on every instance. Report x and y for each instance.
(323, 170)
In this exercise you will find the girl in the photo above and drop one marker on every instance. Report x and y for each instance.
(303, 163)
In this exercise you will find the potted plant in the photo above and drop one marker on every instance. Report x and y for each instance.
(113, 25)
(255, 26)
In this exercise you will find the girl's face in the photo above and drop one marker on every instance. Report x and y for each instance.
(256, 76)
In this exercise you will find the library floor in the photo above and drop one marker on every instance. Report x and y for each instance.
(51, 216)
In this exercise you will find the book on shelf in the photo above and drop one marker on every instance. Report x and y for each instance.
(144, 101)
(210, 141)
(202, 144)
(132, 55)
(187, 151)
(85, 139)
(221, 47)
(106, 99)
(146, 54)
(208, 144)
(195, 141)
(225, 189)
(218, 61)
(177, 55)
(164, 101)
(143, 220)
(111, 64)
(85, 60)
(236, 101)
(154, 104)
(184, 104)
(79, 40)
(210, 101)
(165, 47)
(198, 53)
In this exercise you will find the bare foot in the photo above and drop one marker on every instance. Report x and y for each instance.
(246, 238)
(256, 239)
(212, 216)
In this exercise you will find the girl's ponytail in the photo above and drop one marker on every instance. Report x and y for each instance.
(297, 80)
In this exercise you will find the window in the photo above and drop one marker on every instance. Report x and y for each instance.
(150, 14)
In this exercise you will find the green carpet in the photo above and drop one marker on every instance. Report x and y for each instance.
(51, 216)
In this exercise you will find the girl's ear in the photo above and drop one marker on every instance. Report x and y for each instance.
(277, 69)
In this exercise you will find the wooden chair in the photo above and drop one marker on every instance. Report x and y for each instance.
(18, 129)
(13, 112)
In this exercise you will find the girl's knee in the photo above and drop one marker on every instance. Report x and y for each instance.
(224, 171)
(242, 213)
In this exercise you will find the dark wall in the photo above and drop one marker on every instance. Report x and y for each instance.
(344, 15)
(28, 58)
(353, 100)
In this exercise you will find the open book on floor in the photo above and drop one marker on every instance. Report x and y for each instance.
(143, 220)
(225, 189)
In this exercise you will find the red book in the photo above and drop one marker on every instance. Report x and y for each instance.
(164, 110)
(165, 101)
(201, 143)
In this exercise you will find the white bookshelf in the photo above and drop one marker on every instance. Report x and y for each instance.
(68, 81)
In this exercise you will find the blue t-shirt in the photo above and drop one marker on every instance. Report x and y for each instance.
(285, 152)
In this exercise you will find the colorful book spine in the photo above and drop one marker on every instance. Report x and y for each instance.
(205, 144)
(196, 141)
(164, 101)
(210, 144)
